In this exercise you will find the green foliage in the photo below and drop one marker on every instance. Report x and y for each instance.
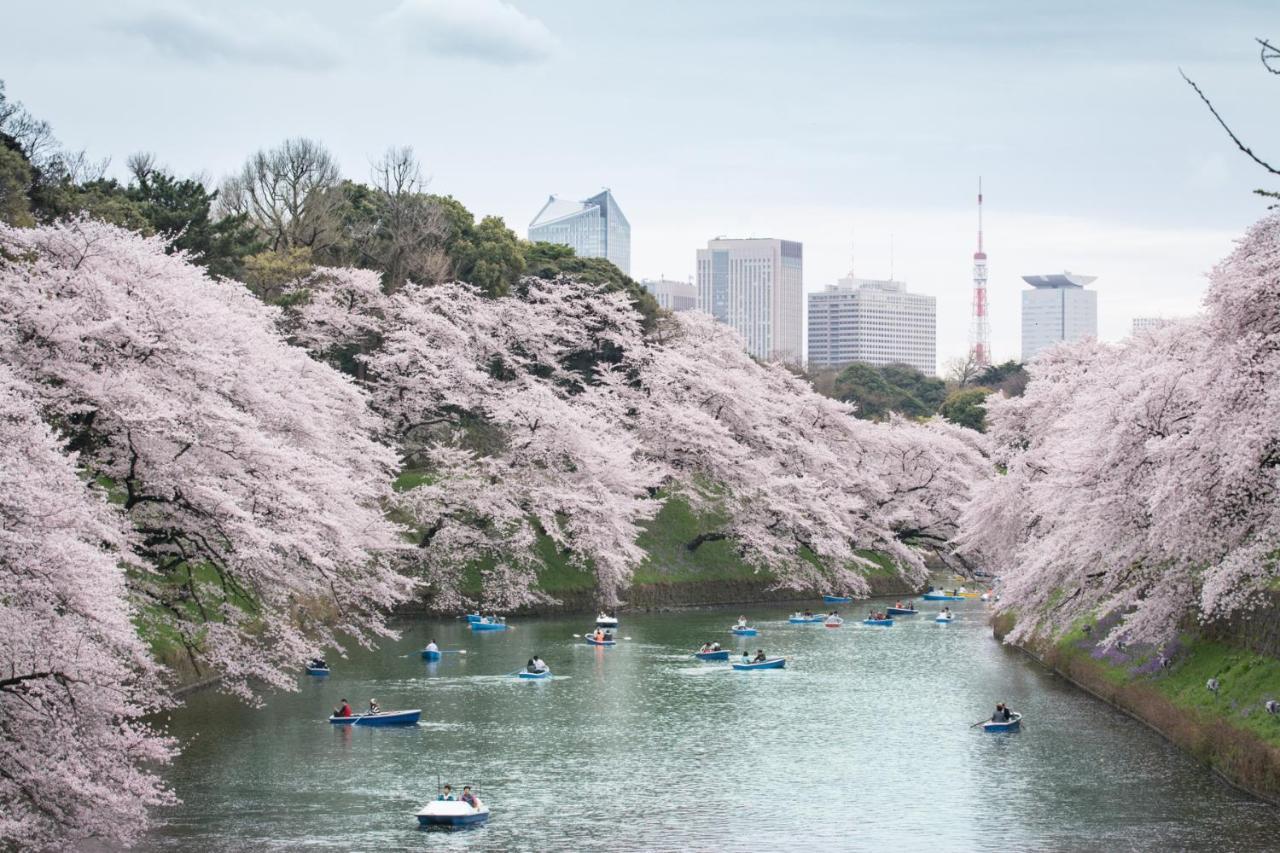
(181, 210)
(1009, 377)
(1246, 680)
(877, 391)
(16, 176)
(271, 274)
(967, 407)
(549, 260)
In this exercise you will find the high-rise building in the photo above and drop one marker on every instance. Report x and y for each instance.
(1143, 323)
(594, 228)
(1057, 308)
(872, 321)
(672, 295)
(756, 285)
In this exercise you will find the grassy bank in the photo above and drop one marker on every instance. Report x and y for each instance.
(1229, 731)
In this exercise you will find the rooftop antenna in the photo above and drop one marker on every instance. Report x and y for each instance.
(890, 256)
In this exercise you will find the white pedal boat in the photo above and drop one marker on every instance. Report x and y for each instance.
(452, 813)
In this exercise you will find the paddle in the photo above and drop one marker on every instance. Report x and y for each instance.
(980, 722)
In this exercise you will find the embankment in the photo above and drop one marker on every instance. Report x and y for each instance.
(1229, 730)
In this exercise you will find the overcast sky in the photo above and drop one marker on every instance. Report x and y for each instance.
(825, 122)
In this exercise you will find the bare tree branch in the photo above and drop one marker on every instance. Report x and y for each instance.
(1246, 149)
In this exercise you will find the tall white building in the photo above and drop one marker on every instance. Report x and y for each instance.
(875, 322)
(671, 294)
(1057, 308)
(756, 285)
(1143, 323)
(593, 228)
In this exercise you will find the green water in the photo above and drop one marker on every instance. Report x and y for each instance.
(861, 743)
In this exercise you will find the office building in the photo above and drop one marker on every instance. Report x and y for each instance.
(756, 286)
(872, 321)
(1141, 324)
(1057, 308)
(594, 228)
(672, 295)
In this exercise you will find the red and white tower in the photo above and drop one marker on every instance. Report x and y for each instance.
(980, 327)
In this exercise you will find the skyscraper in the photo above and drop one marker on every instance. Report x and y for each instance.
(872, 321)
(756, 285)
(593, 228)
(672, 295)
(1057, 308)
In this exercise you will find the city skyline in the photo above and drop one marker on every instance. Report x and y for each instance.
(1141, 186)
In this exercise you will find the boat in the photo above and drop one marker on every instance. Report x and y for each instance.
(887, 623)
(474, 617)
(833, 622)
(801, 619)
(320, 671)
(546, 673)
(487, 624)
(943, 618)
(771, 663)
(1013, 724)
(719, 654)
(606, 621)
(836, 599)
(941, 596)
(382, 718)
(743, 632)
(592, 641)
(901, 611)
(431, 654)
(969, 594)
(986, 596)
(452, 813)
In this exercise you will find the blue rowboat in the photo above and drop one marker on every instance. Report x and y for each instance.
(1013, 725)
(320, 671)
(488, 626)
(385, 718)
(887, 623)
(941, 596)
(546, 673)
(744, 632)
(836, 599)
(723, 654)
(451, 813)
(431, 654)
(592, 641)
(901, 611)
(805, 620)
(771, 663)
(474, 617)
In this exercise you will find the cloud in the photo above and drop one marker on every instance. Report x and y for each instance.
(192, 37)
(486, 30)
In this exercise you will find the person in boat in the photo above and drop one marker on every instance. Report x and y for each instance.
(539, 665)
(446, 793)
(608, 634)
(530, 667)
(469, 798)
(318, 663)
(374, 707)
(432, 647)
(715, 647)
(746, 658)
(706, 647)
(344, 710)
(1008, 712)
(599, 635)
(759, 658)
(742, 621)
(999, 715)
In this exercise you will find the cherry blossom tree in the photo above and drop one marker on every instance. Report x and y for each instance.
(1141, 477)
(246, 467)
(76, 761)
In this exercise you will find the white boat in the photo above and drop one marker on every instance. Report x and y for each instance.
(604, 620)
(452, 813)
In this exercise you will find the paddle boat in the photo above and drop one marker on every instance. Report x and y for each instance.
(743, 631)
(382, 718)
(320, 671)
(718, 654)
(474, 617)
(771, 663)
(801, 619)
(604, 620)
(887, 623)
(836, 599)
(534, 676)
(487, 624)
(431, 654)
(1013, 724)
(938, 595)
(943, 618)
(901, 611)
(832, 622)
(452, 813)
(607, 641)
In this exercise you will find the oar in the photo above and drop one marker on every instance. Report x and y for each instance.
(980, 722)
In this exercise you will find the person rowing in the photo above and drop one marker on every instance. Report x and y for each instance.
(432, 647)
(742, 621)
(706, 647)
(344, 710)
(746, 658)
(537, 665)
(599, 635)
(759, 658)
